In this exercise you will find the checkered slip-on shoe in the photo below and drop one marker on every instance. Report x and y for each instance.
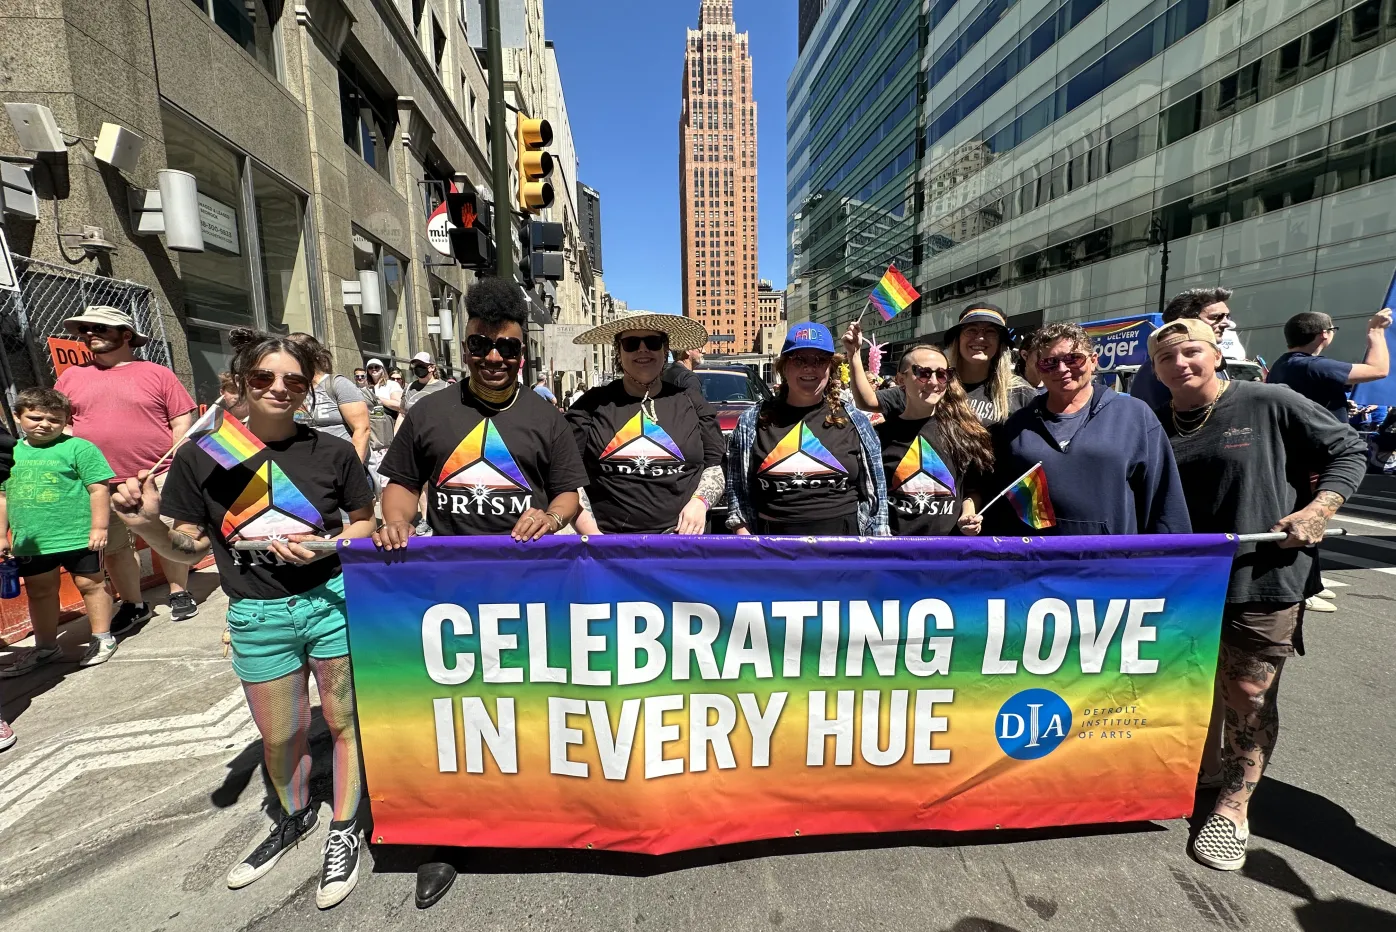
(1220, 844)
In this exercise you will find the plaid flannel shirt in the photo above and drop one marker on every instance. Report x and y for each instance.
(872, 493)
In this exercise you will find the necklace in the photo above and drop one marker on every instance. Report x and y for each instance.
(646, 402)
(1188, 423)
(495, 399)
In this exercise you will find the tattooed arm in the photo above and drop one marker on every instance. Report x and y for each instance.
(137, 504)
(1306, 526)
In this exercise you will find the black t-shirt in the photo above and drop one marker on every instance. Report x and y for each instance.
(642, 470)
(1249, 466)
(892, 401)
(925, 488)
(294, 486)
(483, 466)
(802, 470)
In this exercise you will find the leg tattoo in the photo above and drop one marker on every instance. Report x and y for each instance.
(1249, 686)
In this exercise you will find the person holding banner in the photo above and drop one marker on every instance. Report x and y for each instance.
(493, 457)
(1245, 453)
(279, 481)
(935, 453)
(1103, 456)
(803, 464)
(652, 448)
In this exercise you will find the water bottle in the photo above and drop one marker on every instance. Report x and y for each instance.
(9, 579)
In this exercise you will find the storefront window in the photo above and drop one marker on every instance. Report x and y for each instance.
(217, 281)
(209, 354)
(396, 308)
(285, 272)
(250, 23)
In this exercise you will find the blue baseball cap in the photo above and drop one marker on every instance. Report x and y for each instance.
(808, 336)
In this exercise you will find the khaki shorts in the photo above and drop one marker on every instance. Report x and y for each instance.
(119, 537)
(1267, 629)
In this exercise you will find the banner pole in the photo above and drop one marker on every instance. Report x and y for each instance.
(1009, 486)
(866, 305)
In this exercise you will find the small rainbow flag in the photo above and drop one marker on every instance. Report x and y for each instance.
(224, 438)
(893, 294)
(1029, 498)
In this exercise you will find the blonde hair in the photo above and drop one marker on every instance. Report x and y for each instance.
(1001, 376)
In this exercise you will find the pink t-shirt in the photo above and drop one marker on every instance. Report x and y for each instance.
(126, 411)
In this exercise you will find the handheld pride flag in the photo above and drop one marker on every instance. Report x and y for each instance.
(1029, 498)
(224, 438)
(893, 294)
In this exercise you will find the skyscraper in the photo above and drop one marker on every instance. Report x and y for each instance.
(717, 181)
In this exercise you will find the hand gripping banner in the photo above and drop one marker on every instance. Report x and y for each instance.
(653, 694)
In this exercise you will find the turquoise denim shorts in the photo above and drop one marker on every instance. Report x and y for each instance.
(273, 637)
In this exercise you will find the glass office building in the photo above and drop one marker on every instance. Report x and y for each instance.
(1060, 145)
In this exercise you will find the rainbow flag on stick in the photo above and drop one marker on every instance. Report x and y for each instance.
(224, 438)
(893, 294)
(1029, 498)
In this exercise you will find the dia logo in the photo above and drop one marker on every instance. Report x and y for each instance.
(1032, 723)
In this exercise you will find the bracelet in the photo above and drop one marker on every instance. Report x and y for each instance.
(697, 497)
(558, 518)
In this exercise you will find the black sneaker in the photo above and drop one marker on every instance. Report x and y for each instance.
(284, 834)
(182, 606)
(341, 870)
(129, 615)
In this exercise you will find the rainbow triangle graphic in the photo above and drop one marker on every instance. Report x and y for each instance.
(923, 472)
(800, 452)
(642, 437)
(271, 505)
(483, 460)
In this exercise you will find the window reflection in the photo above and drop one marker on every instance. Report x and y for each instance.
(285, 272)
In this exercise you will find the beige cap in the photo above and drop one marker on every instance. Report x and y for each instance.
(1183, 330)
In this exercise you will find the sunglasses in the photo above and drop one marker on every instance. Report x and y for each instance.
(358, 377)
(1073, 361)
(100, 330)
(480, 346)
(927, 374)
(652, 343)
(264, 379)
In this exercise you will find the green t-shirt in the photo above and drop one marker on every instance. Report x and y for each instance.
(46, 495)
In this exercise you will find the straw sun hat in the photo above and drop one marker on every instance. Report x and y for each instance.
(684, 333)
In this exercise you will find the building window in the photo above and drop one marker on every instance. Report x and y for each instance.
(387, 334)
(249, 23)
(368, 124)
(256, 268)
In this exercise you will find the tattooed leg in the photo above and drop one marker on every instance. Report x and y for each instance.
(1249, 688)
(1212, 750)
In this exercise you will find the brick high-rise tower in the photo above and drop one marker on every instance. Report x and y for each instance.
(717, 181)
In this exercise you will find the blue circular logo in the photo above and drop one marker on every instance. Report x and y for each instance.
(1032, 724)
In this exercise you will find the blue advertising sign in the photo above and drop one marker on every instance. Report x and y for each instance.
(1123, 341)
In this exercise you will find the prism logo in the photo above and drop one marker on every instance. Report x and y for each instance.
(1032, 724)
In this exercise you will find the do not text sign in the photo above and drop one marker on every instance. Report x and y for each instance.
(67, 353)
(653, 694)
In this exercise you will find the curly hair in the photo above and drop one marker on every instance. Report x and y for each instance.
(1062, 330)
(833, 394)
(495, 302)
(957, 427)
(251, 347)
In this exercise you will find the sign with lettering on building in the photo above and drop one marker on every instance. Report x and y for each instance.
(67, 353)
(219, 223)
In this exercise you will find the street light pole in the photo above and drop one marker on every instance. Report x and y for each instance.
(1158, 236)
(499, 146)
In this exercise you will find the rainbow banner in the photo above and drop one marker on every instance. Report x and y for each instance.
(224, 438)
(893, 294)
(653, 694)
(1031, 500)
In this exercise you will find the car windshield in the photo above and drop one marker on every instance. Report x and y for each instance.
(721, 385)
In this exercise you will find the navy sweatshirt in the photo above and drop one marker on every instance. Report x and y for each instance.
(1117, 475)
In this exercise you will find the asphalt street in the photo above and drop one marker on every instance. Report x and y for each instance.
(134, 787)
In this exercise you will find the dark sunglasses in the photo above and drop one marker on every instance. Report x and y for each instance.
(480, 346)
(100, 330)
(927, 374)
(1073, 361)
(359, 377)
(653, 343)
(263, 379)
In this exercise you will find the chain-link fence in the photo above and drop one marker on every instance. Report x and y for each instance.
(48, 294)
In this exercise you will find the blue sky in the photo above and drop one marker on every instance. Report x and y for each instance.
(622, 67)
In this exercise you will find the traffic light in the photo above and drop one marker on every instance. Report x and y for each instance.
(542, 251)
(535, 165)
(471, 244)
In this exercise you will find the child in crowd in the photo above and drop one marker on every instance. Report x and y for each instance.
(57, 500)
